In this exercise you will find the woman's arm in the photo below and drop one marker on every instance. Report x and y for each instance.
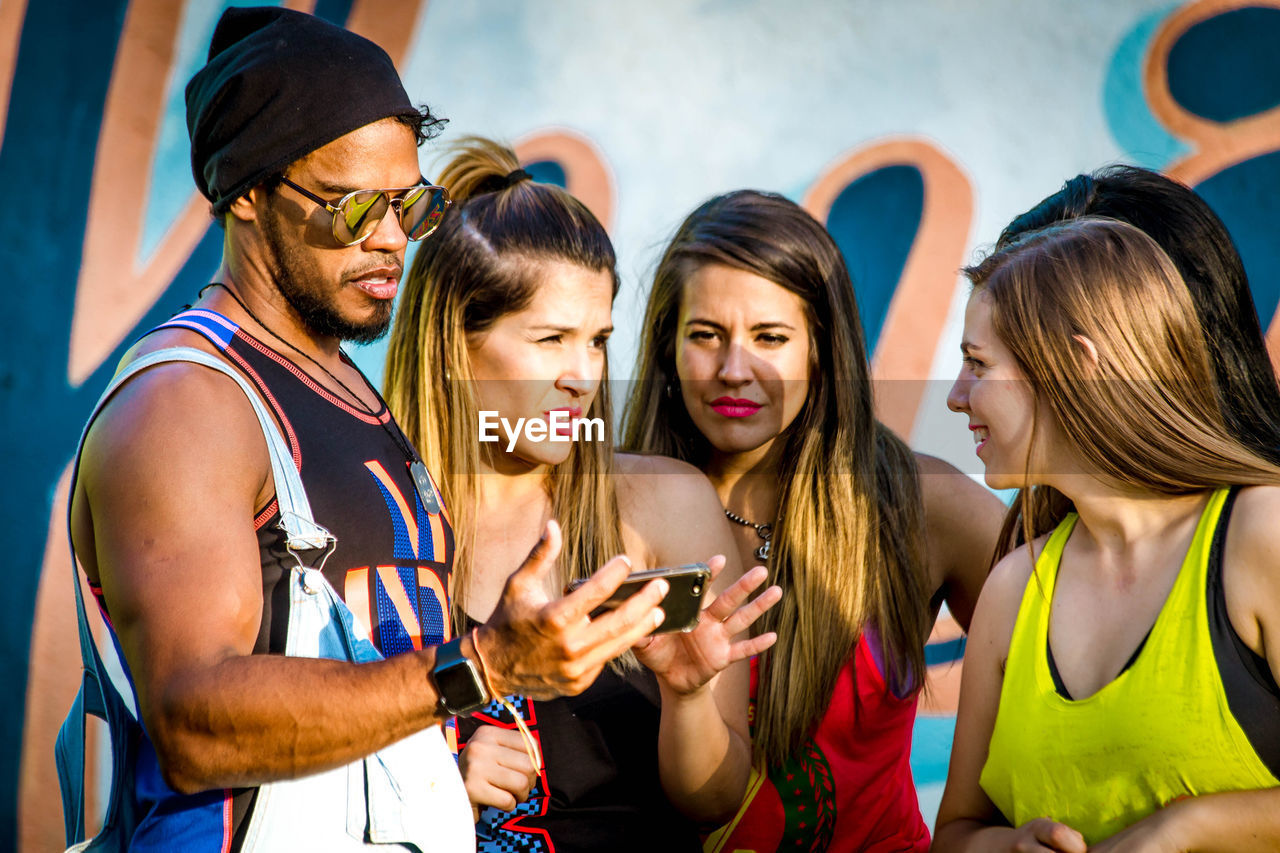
(704, 750)
(495, 769)
(967, 819)
(962, 523)
(1230, 822)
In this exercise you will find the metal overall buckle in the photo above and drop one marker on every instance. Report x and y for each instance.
(317, 539)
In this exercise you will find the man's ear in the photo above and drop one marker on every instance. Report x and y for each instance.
(1088, 347)
(245, 208)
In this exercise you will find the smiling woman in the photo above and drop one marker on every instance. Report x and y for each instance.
(991, 382)
(1120, 680)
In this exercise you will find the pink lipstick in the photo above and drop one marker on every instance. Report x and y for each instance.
(731, 407)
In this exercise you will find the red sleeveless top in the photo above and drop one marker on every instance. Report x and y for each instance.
(849, 788)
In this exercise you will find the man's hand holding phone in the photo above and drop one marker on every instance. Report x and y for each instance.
(542, 648)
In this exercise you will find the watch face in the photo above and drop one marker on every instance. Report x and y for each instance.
(459, 687)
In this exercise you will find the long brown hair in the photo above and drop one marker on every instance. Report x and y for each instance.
(1196, 240)
(1147, 414)
(848, 546)
(482, 264)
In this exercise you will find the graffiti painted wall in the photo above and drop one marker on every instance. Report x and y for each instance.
(914, 129)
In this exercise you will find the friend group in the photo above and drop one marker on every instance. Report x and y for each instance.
(329, 621)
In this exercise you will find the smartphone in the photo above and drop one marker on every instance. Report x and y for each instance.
(683, 602)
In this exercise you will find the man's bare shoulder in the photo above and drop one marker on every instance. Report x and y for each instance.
(173, 420)
(175, 395)
(166, 338)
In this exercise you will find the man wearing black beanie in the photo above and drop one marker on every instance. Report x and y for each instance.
(247, 716)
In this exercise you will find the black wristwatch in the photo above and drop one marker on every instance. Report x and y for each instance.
(457, 681)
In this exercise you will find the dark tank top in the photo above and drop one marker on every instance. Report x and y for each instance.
(391, 563)
(599, 787)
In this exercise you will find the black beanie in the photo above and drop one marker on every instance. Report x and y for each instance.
(279, 84)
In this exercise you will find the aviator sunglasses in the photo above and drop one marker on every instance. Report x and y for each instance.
(356, 215)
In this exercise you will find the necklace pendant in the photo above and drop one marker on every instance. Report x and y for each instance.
(426, 489)
(764, 531)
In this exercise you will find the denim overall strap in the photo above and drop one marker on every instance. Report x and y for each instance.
(96, 695)
(408, 793)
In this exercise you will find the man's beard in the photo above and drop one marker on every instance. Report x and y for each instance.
(288, 268)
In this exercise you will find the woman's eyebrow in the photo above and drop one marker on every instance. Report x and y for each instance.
(770, 324)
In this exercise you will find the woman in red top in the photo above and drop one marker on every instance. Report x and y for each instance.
(753, 367)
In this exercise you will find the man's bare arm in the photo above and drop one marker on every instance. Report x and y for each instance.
(170, 479)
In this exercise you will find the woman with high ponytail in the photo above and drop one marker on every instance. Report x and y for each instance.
(504, 319)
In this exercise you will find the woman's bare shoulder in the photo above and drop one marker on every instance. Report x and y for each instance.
(669, 503)
(641, 464)
(1250, 560)
(950, 493)
(1002, 594)
(661, 485)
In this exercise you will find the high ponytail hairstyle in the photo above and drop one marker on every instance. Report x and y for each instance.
(486, 260)
(1146, 414)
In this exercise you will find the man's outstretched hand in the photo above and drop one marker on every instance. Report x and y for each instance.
(538, 647)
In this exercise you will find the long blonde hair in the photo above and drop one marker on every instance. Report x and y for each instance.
(480, 265)
(1147, 414)
(848, 542)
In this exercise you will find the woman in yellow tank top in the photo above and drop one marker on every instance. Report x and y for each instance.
(1120, 679)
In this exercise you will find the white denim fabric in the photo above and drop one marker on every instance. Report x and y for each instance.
(408, 795)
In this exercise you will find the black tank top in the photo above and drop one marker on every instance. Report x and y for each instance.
(1252, 692)
(393, 556)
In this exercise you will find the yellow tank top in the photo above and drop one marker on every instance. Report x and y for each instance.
(1162, 730)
